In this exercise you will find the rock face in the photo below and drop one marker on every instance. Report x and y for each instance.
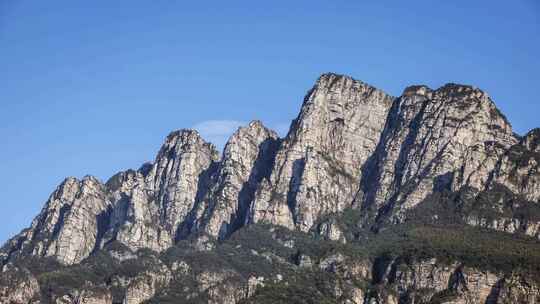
(519, 169)
(431, 281)
(69, 226)
(146, 285)
(318, 166)
(434, 140)
(355, 163)
(155, 202)
(85, 297)
(247, 159)
(18, 286)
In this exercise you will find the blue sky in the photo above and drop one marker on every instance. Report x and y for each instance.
(93, 87)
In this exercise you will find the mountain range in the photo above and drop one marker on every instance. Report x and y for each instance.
(429, 197)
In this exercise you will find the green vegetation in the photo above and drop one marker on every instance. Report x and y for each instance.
(485, 249)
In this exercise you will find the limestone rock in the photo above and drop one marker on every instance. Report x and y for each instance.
(146, 284)
(433, 140)
(355, 162)
(317, 168)
(155, 202)
(330, 230)
(519, 168)
(220, 287)
(86, 297)
(18, 286)
(70, 225)
(247, 159)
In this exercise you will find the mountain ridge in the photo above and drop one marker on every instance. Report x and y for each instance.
(355, 163)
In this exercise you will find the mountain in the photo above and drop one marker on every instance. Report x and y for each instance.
(429, 197)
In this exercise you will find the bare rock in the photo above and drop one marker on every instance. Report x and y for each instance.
(318, 166)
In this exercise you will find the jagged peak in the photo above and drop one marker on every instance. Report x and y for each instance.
(176, 143)
(421, 90)
(333, 81)
(332, 78)
(447, 89)
(70, 188)
(451, 86)
(183, 140)
(115, 182)
(332, 92)
(70, 180)
(255, 128)
(66, 185)
(90, 179)
(183, 134)
(256, 124)
(460, 94)
(91, 184)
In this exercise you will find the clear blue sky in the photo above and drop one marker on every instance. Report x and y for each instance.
(93, 87)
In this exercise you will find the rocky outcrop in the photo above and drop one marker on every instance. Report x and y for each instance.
(505, 224)
(153, 204)
(90, 296)
(431, 281)
(318, 166)
(69, 226)
(142, 209)
(519, 168)
(511, 201)
(352, 146)
(330, 230)
(18, 286)
(146, 285)
(247, 159)
(434, 139)
(356, 162)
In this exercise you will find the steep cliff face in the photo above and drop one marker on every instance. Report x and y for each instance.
(519, 169)
(154, 203)
(317, 168)
(512, 201)
(247, 159)
(434, 140)
(425, 198)
(69, 226)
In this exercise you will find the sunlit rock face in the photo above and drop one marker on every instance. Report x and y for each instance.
(519, 168)
(319, 163)
(351, 146)
(433, 140)
(356, 163)
(69, 226)
(247, 160)
(155, 202)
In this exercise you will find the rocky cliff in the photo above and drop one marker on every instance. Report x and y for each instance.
(368, 199)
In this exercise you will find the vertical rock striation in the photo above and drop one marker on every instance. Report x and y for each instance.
(317, 168)
(247, 159)
(434, 140)
(153, 203)
(69, 226)
(519, 168)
